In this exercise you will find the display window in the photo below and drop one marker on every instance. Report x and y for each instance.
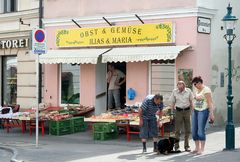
(70, 84)
(9, 80)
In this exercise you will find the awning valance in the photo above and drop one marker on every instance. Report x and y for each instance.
(79, 56)
(135, 54)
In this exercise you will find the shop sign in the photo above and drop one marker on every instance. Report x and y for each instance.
(15, 43)
(39, 44)
(116, 35)
(204, 25)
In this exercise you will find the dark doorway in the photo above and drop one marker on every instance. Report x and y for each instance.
(122, 67)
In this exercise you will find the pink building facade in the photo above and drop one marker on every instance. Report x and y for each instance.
(145, 77)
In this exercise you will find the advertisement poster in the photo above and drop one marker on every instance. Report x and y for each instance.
(186, 75)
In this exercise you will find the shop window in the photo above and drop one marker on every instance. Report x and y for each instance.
(9, 80)
(162, 78)
(70, 84)
(8, 6)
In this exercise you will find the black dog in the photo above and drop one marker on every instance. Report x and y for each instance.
(165, 146)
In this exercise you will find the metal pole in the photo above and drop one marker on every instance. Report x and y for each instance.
(37, 95)
(230, 130)
(40, 66)
(38, 77)
(40, 13)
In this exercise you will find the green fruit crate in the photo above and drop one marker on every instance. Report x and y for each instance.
(60, 131)
(73, 112)
(104, 136)
(63, 111)
(77, 121)
(60, 124)
(80, 128)
(105, 127)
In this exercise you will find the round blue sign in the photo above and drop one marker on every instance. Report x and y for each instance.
(39, 36)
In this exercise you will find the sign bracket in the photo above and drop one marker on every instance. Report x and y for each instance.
(76, 23)
(139, 19)
(110, 24)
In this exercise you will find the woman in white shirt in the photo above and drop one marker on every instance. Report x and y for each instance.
(203, 109)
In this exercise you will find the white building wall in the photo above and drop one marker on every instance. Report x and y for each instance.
(206, 3)
(11, 28)
(219, 56)
(27, 4)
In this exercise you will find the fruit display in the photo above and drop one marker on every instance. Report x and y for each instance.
(79, 110)
(53, 113)
(109, 115)
(129, 113)
(58, 115)
(68, 113)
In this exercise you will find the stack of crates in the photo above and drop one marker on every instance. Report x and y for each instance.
(67, 126)
(105, 131)
(61, 127)
(78, 124)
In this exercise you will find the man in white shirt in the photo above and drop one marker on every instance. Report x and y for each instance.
(113, 79)
(182, 101)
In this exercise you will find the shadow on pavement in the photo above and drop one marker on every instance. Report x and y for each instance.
(81, 146)
(221, 156)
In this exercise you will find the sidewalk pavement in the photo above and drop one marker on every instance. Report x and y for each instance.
(81, 147)
(4, 155)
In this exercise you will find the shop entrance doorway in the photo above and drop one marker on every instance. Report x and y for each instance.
(101, 88)
(122, 68)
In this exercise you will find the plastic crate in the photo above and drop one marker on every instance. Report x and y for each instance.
(77, 121)
(60, 124)
(105, 127)
(60, 131)
(73, 112)
(80, 128)
(63, 111)
(104, 136)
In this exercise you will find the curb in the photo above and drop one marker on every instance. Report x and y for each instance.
(13, 151)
